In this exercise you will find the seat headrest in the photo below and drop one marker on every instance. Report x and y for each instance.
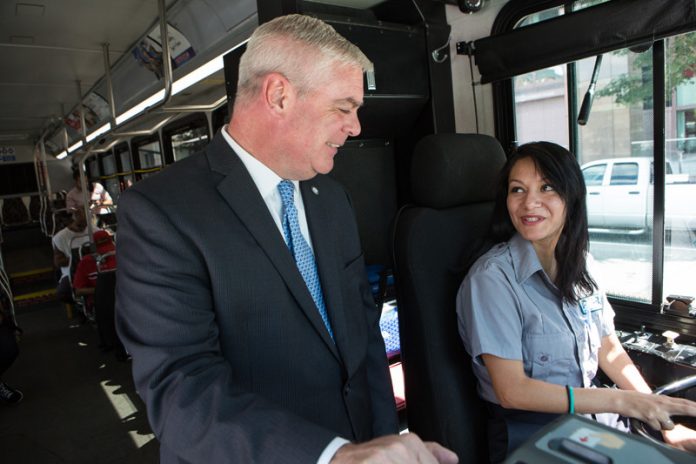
(451, 170)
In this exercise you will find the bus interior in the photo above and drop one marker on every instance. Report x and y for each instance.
(90, 85)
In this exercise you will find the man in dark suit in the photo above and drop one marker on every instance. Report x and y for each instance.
(249, 342)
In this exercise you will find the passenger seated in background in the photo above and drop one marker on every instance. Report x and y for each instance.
(73, 235)
(85, 279)
(99, 196)
(89, 281)
(534, 320)
(9, 350)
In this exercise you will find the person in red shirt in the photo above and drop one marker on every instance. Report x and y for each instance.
(85, 280)
(90, 269)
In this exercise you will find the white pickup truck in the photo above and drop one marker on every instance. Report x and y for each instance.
(620, 197)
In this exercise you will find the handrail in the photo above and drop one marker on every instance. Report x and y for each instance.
(116, 130)
(39, 186)
(110, 176)
(193, 108)
(53, 217)
(155, 128)
(148, 170)
(47, 185)
(5, 285)
(82, 111)
(166, 67)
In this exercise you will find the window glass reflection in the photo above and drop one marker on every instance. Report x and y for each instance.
(188, 142)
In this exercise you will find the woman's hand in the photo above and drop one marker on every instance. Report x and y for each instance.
(654, 410)
(681, 437)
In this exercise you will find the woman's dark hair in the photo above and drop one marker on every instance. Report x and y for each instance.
(560, 169)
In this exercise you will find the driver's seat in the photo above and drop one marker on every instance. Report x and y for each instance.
(453, 183)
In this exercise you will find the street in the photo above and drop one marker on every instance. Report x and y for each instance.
(624, 265)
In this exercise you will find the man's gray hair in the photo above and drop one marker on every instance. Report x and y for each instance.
(302, 48)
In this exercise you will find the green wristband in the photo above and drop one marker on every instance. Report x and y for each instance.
(571, 400)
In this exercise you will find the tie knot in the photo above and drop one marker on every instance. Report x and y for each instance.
(287, 192)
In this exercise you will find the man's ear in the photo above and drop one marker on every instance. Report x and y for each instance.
(277, 92)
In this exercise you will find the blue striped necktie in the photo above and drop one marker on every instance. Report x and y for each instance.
(304, 258)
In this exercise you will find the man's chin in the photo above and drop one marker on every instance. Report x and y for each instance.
(325, 168)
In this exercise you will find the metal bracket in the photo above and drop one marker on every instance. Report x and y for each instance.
(465, 48)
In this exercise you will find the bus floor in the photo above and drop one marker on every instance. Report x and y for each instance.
(79, 405)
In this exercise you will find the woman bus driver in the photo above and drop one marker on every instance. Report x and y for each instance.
(534, 321)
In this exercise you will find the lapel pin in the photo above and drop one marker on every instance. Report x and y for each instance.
(315, 190)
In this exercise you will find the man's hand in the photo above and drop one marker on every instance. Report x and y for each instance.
(395, 449)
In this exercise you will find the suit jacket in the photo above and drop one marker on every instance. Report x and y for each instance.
(229, 351)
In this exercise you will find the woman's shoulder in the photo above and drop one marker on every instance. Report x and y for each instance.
(497, 259)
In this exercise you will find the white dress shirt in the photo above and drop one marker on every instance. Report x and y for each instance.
(267, 182)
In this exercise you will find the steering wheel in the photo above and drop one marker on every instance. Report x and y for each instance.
(640, 427)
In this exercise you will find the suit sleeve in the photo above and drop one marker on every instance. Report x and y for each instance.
(166, 319)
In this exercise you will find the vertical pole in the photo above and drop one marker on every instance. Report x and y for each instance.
(659, 160)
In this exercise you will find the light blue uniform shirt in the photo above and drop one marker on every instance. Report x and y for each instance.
(508, 307)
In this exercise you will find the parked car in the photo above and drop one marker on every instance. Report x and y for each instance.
(620, 196)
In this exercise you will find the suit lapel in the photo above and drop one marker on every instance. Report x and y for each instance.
(327, 260)
(240, 193)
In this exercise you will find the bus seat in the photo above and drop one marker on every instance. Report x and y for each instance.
(108, 220)
(14, 211)
(453, 185)
(104, 305)
(35, 208)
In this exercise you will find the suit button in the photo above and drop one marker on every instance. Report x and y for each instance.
(346, 390)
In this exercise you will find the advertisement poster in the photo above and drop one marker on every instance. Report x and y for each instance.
(96, 109)
(148, 52)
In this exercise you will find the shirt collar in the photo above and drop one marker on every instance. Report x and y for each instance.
(265, 179)
(524, 258)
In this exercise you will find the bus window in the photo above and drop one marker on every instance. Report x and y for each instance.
(110, 178)
(189, 141)
(620, 211)
(125, 167)
(540, 109)
(92, 168)
(680, 153)
(108, 164)
(148, 157)
(184, 137)
(614, 130)
(124, 158)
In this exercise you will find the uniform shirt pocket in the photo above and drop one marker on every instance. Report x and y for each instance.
(549, 357)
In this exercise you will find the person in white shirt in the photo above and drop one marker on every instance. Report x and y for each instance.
(98, 196)
(72, 236)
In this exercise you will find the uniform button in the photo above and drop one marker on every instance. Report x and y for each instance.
(544, 358)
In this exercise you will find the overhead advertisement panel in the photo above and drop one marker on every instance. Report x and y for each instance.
(96, 110)
(148, 52)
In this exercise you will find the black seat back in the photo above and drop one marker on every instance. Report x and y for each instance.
(14, 211)
(104, 304)
(453, 182)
